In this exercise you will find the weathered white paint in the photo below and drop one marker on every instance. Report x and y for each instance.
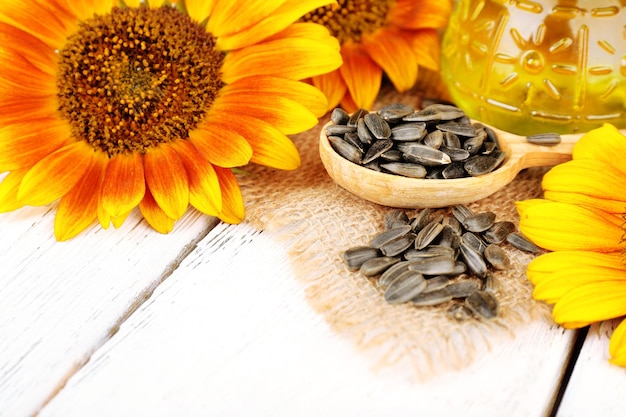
(231, 334)
(60, 301)
(596, 387)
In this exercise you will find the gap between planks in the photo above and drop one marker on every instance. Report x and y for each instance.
(141, 299)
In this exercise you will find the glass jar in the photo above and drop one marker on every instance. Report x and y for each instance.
(538, 66)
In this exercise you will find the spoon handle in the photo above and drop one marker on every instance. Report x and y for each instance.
(533, 155)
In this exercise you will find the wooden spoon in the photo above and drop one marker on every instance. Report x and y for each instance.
(403, 192)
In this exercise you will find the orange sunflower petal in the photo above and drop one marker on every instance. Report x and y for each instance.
(8, 190)
(308, 57)
(232, 201)
(124, 184)
(426, 47)
(227, 16)
(79, 208)
(167, 179)
(24, 144)
(332, 86)
(55, 175)
(204, 187)
(270, 147)
(286, 115)
(289, 12)
(361, 74)
(307, 95)
(15, 41)
(394, 55)
(154, 215)
(218, 143)
(411, 14)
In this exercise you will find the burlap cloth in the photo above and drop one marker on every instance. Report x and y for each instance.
(317, 220)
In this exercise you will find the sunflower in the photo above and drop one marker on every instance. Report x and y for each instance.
(581, 220)
(108, 105)
(394, 36)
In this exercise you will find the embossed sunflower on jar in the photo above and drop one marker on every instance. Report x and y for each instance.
(108, 105)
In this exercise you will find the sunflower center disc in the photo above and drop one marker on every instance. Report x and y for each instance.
(137, 77)
(350, 19)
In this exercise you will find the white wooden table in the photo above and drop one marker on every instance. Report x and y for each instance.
(209, 321)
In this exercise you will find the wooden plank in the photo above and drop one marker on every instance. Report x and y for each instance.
(60, 301)
(231, 333)
(596, 387)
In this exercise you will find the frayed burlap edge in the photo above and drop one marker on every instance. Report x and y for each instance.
(317, 220)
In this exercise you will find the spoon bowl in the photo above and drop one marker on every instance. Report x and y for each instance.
(403, 192)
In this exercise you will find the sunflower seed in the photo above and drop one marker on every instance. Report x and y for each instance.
(454, 170)
(497, 257)
(490, 283)
(498, 232)
(431, 251)
(339, 116)
(338, 130)
(436, 283)
(376, 266)
(378, 148)
(474, 261)
(356, 256)
(392, 155)
(459, 129)
(377, 125)
(473, 144)
(388, 235)
(428, 234)
(343, 148)
(451, 140)
(395, 111)
(456, 154)
(354, 117)
(547, 139)
(395, 215)
(426, 155)
(460, 212)
(434, 139)
(462, 289)
(482, 303)
(406, 286)
(353, 139)
(474, 241)
(364, 133)
(406, 169)
(437, 265)
(392, 273)
(398, 244)
(480, 165)
(431, 298)
(479, 222)
(421, 220)
(408, 132)
(520, 241)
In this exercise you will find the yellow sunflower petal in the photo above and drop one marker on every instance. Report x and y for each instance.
(287, 13)
(523, 205)
(85, 9)
(608, 205)
(308, 96)
(154, 215)
(167, 180)
(8, 190)
(204, 187)
(411, 14)
(394, 55)
(56, 174)
(306, 58)
(591, 303)
(124, 184)
(270, 147)
(554, 286)
(286, 115)
(232, 201)
(361, 75)
(559, 226)
(24, 144)
(79, 207)
(617, 346)
(332, 86)
(219, 144)
(118, 221)
(199, 10)
(602, 144)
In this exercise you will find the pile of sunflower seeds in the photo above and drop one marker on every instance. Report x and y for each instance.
(434, 258)
(438, 142)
